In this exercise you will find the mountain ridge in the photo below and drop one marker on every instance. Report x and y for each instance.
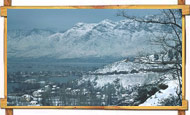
(106, 38)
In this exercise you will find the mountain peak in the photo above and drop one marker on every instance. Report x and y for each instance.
(79, 24)
(107, 21)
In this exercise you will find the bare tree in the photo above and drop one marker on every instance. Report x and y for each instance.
(170, 40)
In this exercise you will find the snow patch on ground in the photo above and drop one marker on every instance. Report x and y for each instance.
(129, 66)
(126, 80)
(155, 99)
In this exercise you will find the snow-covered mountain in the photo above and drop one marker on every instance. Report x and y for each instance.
(106, 38)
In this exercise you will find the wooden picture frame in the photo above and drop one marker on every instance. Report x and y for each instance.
(180, 109)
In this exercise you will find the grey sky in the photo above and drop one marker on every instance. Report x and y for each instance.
(62, 19)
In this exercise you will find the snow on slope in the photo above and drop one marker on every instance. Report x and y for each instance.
(126, 80)
(106, 38)
(156, 99)
(118, 66)
(128, 66)
(139, 77)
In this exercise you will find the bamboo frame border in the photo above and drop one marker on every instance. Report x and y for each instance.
(185, 11)
(185, 8)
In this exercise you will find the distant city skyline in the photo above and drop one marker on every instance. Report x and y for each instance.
(63, 19)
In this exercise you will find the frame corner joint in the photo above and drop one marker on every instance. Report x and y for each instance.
(3, 103)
